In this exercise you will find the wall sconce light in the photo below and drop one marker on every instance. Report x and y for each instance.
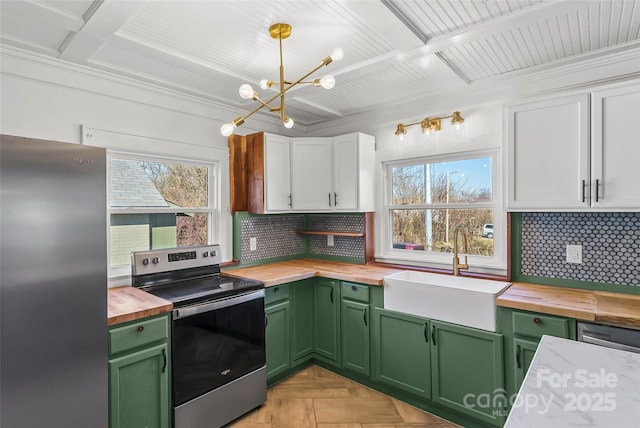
(431, 124)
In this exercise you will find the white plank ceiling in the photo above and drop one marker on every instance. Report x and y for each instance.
(394, 50)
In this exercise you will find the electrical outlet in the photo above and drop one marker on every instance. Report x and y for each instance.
(329, 240)
(574, 254)
(253, 244)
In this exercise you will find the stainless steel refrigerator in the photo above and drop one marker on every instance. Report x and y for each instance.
(53, 291)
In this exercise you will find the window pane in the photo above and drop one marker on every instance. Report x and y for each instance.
(463, 181)
(433, 230)
(135, 232)
(157, 184)
(409, 183)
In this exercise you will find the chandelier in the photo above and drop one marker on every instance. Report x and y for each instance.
(281, 31)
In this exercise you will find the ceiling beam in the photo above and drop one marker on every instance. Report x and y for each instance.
(102, 20)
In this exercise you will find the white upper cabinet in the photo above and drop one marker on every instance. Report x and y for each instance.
(311, 174)
(548, 150)
(353, 172)
(615, 142)
(277, 173)
(575, 152)
(315, 174)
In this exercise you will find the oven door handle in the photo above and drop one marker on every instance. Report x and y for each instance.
(609, 344)
(189, 311)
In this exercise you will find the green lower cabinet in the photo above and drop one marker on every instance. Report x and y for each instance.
(326, 320)
(401, 352)
(139, 398)
(524, 352)
(139, 365)
(277, 339)
(522, 331)
(301, 321)
(467, 371)
(355, 337)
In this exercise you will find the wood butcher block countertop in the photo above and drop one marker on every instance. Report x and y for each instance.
(129, 303)
(587, 305)
(294, 270)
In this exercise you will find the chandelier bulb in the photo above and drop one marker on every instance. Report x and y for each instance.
(265, 84)
(327, 81)
(227, 129)
(288, 123)
(246, 91)
(337, 54)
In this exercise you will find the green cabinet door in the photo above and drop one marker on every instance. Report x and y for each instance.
(326, 320)
(139, 389)
(301, 321)
(277, 339)
(401, 351)
(524, 351)
(467, 371)
(355, 336)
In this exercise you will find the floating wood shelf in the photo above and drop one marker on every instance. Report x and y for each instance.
(317, 232)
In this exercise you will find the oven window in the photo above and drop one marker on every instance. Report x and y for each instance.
(155, 203)
(216, 347)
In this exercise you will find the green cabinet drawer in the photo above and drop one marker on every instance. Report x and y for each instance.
(356, 292)
(536, 325)
(136, 334)
(276, 293)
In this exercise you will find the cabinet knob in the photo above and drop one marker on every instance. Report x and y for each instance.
(140, 329)
(537, 320)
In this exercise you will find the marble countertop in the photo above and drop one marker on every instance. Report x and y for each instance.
(576, 384)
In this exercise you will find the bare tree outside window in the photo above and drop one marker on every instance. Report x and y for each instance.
(429, 200)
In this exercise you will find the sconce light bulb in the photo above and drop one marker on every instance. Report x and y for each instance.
(265, 84)
(246, 91)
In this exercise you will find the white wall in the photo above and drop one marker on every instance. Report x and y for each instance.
(48, 99)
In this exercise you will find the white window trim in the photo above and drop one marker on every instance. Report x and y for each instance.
(495, 264)
(124, 144)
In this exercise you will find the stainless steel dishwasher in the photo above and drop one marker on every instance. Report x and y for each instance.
(625, 339)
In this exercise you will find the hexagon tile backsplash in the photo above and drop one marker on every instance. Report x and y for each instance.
(610, 246)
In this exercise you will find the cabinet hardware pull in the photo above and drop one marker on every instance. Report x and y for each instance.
(290, 200)
(164, 359)
(518, 356)
(537, 320)
(597, 188)
(329, 198)
(335, 199)
(584, 184)
(354, 288)
(276, 289)
(266, 320)
(140, 329)
(331, 295)
(365, 317)
(426, 332)
(433, 335)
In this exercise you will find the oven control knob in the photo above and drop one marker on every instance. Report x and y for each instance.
(213, 254)
(205, 254)
(155, 260)
(145, 261)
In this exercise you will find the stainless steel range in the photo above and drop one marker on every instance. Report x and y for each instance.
(218, 347)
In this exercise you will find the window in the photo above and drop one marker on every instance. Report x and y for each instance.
(157, 203)
(428, 199)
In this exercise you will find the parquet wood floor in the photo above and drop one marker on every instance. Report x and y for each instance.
(318, 398)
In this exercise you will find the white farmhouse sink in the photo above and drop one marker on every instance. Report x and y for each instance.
(459, 300)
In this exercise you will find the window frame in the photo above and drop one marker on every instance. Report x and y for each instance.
(213, 209)
(486, 264)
